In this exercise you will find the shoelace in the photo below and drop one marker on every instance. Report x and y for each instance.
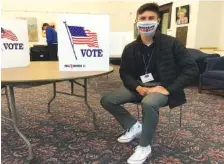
(136, 147)
(128, 130)
(141, 148)
(124, 132)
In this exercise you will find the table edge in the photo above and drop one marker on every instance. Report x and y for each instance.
(56, 80)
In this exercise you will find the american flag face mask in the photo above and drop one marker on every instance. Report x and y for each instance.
(147, 28)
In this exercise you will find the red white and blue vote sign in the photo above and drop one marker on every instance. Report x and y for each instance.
(83, 42)
(14, 44)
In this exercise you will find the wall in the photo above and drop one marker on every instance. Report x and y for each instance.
(194, 4)
(206, 29)
(221, 40)
(122, 15)
(192, 20)
(209, 27)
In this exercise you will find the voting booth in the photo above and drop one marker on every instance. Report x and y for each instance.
(14, 44)
(118, 40)
(83, 42)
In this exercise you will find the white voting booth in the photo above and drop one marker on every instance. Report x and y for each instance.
(83, 42)
(118, 40)
(14, 44)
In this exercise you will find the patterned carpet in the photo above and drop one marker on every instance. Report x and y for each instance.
(67, 135)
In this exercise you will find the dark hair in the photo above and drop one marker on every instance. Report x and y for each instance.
(45, 24)
(148, 7)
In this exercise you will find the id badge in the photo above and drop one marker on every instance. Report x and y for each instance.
(147, 78)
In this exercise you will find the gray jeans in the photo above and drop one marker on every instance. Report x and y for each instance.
(151, 103)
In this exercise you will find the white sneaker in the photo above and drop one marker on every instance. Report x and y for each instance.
(140, 155)
(133, 132)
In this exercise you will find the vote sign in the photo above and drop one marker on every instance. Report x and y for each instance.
(14, 43)
(83, 42)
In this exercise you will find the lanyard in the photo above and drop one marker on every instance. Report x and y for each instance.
(147, 66)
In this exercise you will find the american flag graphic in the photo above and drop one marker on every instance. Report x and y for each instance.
(83, 36)
(146, 29)
(7, 34)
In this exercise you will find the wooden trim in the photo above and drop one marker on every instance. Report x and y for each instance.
(219, 50)
(166, 8)
(214, 48)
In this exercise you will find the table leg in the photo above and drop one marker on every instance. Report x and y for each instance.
(8, 104)
(87, 104)
(72, 87)
(54, 95)
(14, 120)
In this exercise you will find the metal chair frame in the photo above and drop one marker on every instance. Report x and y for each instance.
(180, 121)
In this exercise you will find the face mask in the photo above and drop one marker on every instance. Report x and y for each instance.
(148, 28)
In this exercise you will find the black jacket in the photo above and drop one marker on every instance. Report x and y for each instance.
(174, 65)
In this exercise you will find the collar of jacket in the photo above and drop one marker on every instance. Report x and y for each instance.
(156, 37)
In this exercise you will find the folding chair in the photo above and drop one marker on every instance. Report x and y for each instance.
(180, 120)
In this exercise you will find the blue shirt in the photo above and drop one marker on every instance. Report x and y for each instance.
(51, 36)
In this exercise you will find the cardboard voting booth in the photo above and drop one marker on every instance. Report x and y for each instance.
(14, 44)
(83, 42)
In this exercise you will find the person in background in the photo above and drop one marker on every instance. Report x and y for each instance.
(52, 41)
(155, 69)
